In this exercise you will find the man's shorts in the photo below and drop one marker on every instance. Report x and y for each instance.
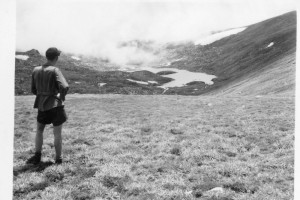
(57, 116)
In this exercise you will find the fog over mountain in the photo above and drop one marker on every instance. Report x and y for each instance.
(98, 28)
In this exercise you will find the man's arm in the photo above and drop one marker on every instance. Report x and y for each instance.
(33, 88)
(63, 86)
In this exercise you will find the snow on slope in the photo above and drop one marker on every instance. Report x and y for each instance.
(22, 57)
(140, 82)
(75, 58)
(182, 77)
(271, 44)
(214, 37)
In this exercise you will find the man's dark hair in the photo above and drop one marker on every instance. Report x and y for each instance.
(52, 53)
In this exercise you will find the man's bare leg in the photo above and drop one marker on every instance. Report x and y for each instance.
(57, 141)
(39, 137)
(38, 145)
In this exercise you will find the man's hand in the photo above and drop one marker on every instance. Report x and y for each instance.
(61, 97)
(58, 96)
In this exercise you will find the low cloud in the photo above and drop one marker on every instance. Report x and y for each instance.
(98, 27)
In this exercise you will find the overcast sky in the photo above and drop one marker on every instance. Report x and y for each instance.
(96, 27)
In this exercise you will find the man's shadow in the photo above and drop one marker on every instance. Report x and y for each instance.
(32, 168)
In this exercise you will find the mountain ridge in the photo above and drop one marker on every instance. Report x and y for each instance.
(257, 51)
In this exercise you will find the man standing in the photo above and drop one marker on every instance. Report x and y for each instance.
(50, 88)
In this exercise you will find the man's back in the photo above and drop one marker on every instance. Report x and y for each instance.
(47, 82)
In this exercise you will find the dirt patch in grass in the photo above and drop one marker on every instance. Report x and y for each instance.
(82, 193)
(118, 183)
(146, 130)
(176, 151)
(237, 187)
(54, 176)
(219, 198)
(175, 131)
(83, 141)
(136, 192)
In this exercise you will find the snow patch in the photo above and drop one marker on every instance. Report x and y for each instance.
(214, 37)
(77, 82)
(169, 63)
(22, 57)
(128, 69)
(75, 58)
(140, 82)
(177, 60)
(153, 82)
(165, 90)
(182, 77)
(271, 44)
(101, 84)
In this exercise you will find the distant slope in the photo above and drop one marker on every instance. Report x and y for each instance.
(236, 57)
(277, 78)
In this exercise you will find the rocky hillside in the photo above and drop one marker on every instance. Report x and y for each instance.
(254, 52)
(258, 60)
(85, 79)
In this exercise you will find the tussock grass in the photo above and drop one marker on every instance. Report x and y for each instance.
(160, 147)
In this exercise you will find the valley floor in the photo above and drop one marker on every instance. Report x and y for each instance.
(161, 147)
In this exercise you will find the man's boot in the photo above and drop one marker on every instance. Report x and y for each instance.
(36, 159)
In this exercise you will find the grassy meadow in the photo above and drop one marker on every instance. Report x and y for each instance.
(160, 147)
